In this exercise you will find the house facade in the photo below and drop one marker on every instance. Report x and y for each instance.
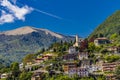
(72, 50)
(68, 66)
(37, 76)
(85, 63)
(113, 49)
(3, 76)
(100, 41)
(46, 57)
(110, 77)
(108, 67)
(83, 55)
(39, 60)
(81, 72)
(70, 57)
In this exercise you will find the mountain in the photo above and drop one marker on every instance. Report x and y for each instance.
(14, 44)
(27, 30)
(28, 40)
(20, 31)
(109, 27)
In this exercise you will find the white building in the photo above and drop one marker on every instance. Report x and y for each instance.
(21, 66)
(83, 55)
(72, 50)
(81, 72)
(99, 41)
(4, 76)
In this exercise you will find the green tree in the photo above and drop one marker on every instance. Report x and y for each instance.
(98, 48)
(91, 47)
(101, 78)
(117, 72)
(103, 50)
(100, 35)
(15, 69)
(28, 58)
(25, 76)
(87, 78)
(113, 36)
(4, 70)
(64, 78)
(112, 58)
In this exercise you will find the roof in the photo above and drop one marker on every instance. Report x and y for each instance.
(113, 63)
(102, 38)
(79, 69)
(68, 55)
(39, 59)
(113, 47)
(70, 63)
(82, 53)
(37, 74)
(46, 56)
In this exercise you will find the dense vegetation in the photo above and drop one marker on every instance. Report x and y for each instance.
(28, 43)
(110, 27)
(54, 64)
(14, 48)
(7, 59)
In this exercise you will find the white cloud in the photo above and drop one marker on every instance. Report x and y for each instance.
(15, 12)
(6, 18)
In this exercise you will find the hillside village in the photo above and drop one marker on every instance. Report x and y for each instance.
(38, 41)
(93, 59)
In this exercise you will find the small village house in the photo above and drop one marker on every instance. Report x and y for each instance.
(47, 57)
(110, 77)
(72, 50)
(81, 72)
(69, 65)
(4, 75)
(39, 60)
(70, 57)
(100, 41)
(37, 76)
(85, 63)
(113, 49)
(110, 67)
(83, 55)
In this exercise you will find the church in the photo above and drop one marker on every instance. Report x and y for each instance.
(77, 41)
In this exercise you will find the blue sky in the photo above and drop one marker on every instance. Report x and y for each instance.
(68, 17)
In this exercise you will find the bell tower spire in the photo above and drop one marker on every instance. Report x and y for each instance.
(76, 41)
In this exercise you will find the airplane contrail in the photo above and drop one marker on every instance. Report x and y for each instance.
(46, 13)
(43, 12)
